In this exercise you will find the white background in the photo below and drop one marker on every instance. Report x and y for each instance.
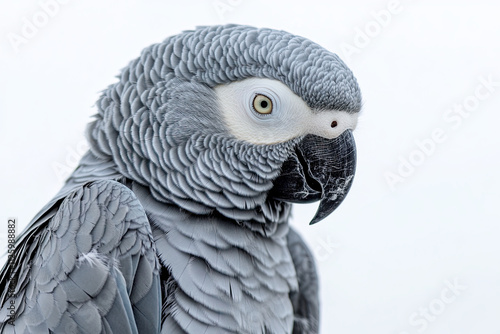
(384, 256)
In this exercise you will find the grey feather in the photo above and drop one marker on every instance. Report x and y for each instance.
(84, 274)
(305, 300)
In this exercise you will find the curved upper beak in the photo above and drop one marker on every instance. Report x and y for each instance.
(319, 169)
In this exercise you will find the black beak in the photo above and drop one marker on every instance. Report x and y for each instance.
(319, 169)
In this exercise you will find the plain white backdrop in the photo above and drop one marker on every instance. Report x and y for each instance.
(415, 246)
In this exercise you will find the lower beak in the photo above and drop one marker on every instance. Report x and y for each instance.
(319, 169)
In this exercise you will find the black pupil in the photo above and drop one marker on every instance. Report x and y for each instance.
(263, 104)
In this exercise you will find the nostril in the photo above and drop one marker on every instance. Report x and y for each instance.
(334, 124)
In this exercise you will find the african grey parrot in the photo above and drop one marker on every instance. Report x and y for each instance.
(176, 220)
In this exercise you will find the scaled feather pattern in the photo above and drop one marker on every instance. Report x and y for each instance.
(167, 224)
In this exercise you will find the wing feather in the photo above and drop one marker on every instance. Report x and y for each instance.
(305, 300)
(89, 267)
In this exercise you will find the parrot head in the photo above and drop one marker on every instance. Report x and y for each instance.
(235, 120)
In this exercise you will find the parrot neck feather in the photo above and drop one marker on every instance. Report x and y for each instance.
(221, 269)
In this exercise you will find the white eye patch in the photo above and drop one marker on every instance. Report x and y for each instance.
(266, 111)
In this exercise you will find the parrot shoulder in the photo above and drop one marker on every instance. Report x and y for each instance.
(305, 300)
(90, 267)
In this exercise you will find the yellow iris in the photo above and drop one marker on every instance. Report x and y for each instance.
(262, 104)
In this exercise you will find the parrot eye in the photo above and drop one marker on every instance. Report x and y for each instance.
(262, 104)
